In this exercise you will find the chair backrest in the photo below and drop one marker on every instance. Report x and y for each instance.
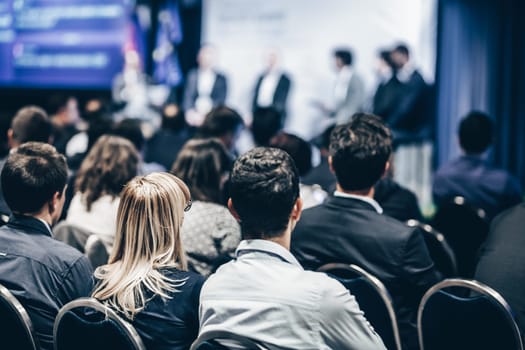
(214, 340)
(84, 241)
(481, 320)
(438, 248)
(16, 330)
(86, 324)
(96, 251)
(373, 298)
(465, 228)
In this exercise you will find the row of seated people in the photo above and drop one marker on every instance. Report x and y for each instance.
(359, 157)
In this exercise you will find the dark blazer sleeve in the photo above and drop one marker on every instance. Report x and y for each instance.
(281, 93)
(418, 267)
(219, 90)
(413, 92)
(190, 90)
(256, 92)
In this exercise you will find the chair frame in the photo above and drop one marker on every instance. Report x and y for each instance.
(440, 237)
(223, 334)
(475, 286)
(109, 313)
(377, 285)
(21, 313)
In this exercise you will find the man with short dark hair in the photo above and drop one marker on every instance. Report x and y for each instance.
(471, 176)
(223, 123)
(264, 294)
(42, 273)
(349, 227)
(30, 123)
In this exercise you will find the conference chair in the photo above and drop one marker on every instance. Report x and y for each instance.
(482, 320)
(373, 298)
(82, 240)
(438, 248)
(210, 341)
(465, 229)
(16, 330)
(86, 324)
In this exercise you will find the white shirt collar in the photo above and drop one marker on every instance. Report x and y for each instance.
(368, 200)
(269, 247)
(46, 224)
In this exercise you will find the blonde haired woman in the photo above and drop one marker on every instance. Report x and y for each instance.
(145, 279)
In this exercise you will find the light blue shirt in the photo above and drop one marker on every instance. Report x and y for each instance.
(266, 295)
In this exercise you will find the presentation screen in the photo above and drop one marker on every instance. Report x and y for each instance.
(306, 32)
(63, 43)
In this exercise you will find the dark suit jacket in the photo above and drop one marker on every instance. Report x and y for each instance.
(501, 260)
(350, 231)
(218, 92)
(41, 272)
(280, 95)
(397, 202)
(482, 185)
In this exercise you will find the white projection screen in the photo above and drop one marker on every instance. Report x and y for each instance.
(305, 32)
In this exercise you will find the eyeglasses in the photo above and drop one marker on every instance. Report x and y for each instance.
(188, 205)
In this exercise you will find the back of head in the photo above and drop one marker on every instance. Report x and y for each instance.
(31, 124)
(266, 123)
(264, 186)
(345, 55)
(219, 122)
(31, 176)
(149, 218)
(131, 130)
(201, 164)
(475, 133)
(297, 148)
(109, 165)
(359, 151)
(173, 118)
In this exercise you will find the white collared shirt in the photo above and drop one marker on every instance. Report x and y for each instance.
(267, 88)
(366, 199)
(266, 295)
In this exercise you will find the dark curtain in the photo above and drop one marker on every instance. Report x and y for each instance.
(481, 55)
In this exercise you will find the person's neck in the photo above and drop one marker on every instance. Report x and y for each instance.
(283, 240)
(363, 193)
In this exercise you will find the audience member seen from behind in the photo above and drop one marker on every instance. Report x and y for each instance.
(164, 146)
(472, 176)
(500, 263)
(224, 124)
(109, 165)
(29, 124)
(349, 226)
(322, 175)
(301, 153)
(146, 279)
(42, 273)
(265, 294)
(267, 122)
(209, 233)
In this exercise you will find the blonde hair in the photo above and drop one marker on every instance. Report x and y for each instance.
(149, 221)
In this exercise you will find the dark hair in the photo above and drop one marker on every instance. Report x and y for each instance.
(266, 123)
(385, 55)
(360, 151)
(220, 121)
(345, 55)
(130, 130)
(264, 186)
(201, 165)
(297, 148)
(402, 49)
(475, 133)
(31, 124)
(31, 176)
(109, 165)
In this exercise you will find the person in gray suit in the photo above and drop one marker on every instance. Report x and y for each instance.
(349, 90)
(205, 88)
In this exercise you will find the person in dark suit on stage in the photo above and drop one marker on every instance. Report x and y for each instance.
(388, 87)
(501, 260)
(349, 227)
(272, 87)
(205, 88)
